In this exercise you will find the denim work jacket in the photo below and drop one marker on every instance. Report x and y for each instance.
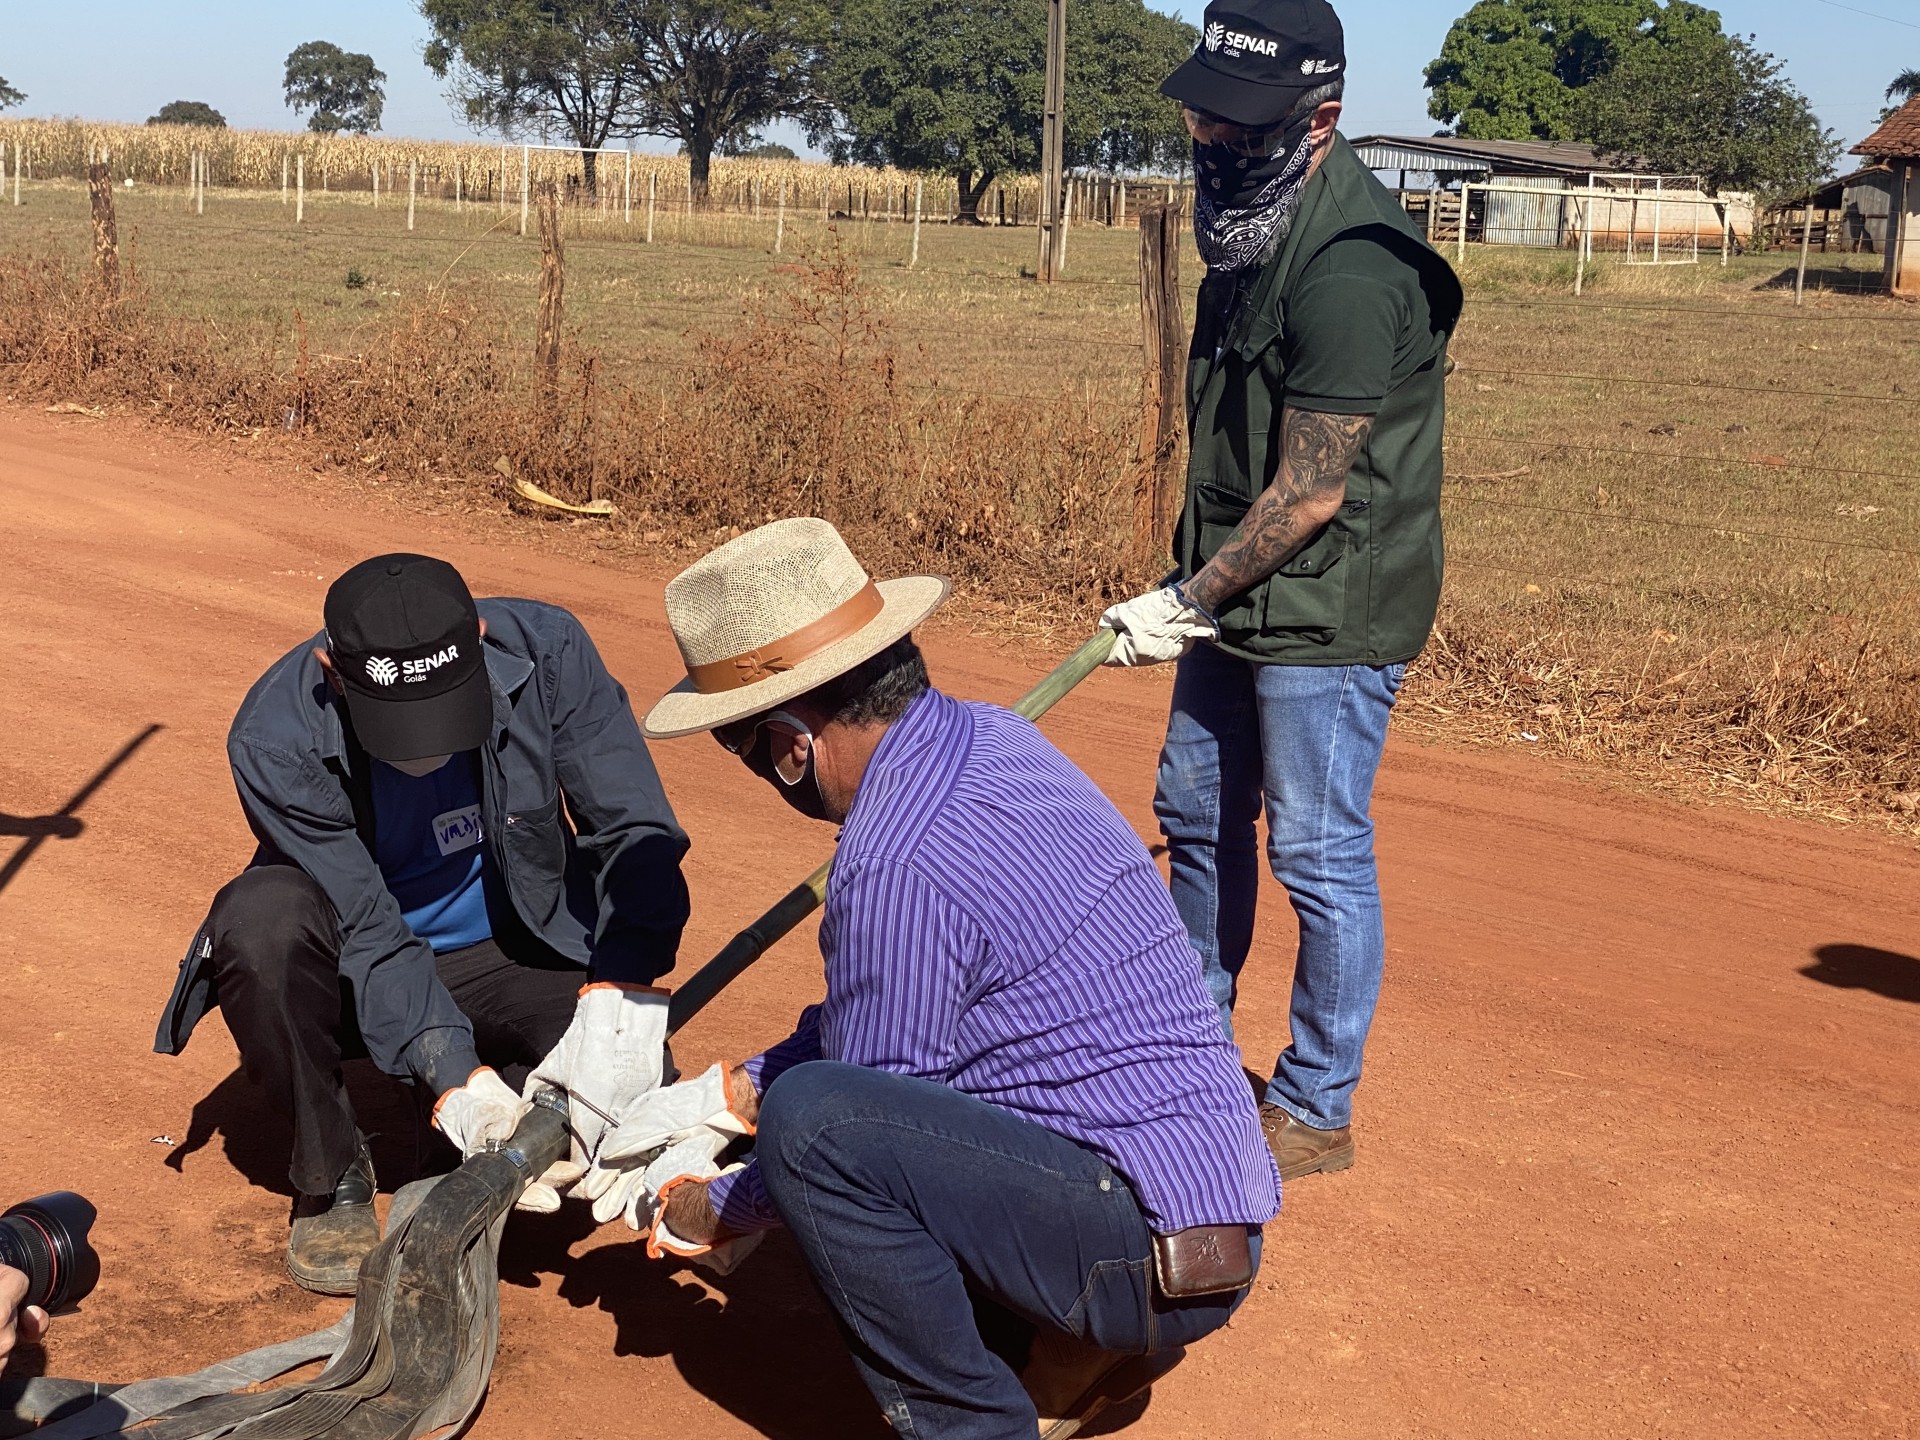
(578, 830)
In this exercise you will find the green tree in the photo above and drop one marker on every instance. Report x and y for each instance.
(9, 97)
(1905, 86)
(953, 85)
(1711, 105)
(1507, 68)
(1118, 52)
(958, 85)
(713, 72)
(540, 67)
(345, 91)
(189, 112)
(754, 149)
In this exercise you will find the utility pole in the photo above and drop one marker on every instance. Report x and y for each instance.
(1050, 142)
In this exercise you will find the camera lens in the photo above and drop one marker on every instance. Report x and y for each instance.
(47, 1238)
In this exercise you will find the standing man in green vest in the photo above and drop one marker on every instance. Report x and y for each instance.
(1309, 550)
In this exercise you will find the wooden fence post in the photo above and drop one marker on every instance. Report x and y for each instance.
(413, 184)
(1060, 241)
(1163, 346)
(919, 193)
(553, 290)
(653, 180)
(780, 221)
(106, 237)
(1806, 239)
(300, 191)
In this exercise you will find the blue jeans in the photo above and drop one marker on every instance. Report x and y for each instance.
(1308, 739)
(919, 1208)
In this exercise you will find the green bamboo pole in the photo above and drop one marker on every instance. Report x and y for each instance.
(806, 897)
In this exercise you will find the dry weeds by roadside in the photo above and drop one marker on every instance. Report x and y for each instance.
(810, 404)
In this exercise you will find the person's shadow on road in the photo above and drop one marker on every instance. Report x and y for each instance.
(759, 1342)
(258, 1143)
(48, 827)
(1862, 967)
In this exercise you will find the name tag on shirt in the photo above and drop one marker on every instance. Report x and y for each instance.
(457, 829)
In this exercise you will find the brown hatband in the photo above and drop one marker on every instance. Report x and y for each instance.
(789, 651)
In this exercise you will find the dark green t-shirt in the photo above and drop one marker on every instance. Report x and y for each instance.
(1357, 324)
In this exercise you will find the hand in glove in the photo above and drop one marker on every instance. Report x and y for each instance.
(611, 1055)
(670, 1132)
(1155, 627)
(483, 1109)
(685, 1224)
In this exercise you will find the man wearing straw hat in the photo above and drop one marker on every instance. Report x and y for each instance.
(1011, 1140)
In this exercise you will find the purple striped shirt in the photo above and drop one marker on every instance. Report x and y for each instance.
(993, 924)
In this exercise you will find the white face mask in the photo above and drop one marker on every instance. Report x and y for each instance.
(426, 765)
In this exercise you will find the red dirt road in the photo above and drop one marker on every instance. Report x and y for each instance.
(1634, 1158)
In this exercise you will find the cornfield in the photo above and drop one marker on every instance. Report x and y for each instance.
(499, 174)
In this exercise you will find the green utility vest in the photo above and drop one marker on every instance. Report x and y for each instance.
(1364, 589)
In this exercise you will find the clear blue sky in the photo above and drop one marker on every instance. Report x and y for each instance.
(123, 59)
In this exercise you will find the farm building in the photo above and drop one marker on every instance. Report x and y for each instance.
(1896, 145)
(1626, 205)
(1849, 214)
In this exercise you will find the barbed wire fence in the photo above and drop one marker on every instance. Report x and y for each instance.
(1633, 227)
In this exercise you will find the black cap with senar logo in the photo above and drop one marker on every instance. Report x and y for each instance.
(1256, 58)
(405, 640)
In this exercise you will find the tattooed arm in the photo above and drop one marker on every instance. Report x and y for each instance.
(1316, 452)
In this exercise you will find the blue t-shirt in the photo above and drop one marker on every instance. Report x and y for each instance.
(427, 844)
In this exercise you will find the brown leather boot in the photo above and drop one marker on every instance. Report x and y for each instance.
(1070, 1381)
(333, 1233)
(1302, 1150)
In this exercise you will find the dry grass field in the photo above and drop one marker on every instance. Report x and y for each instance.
(1683, 514)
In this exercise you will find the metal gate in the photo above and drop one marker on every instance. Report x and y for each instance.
(1514, 216)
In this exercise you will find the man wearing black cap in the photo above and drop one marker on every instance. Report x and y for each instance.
(455, 813)
(1309, 550)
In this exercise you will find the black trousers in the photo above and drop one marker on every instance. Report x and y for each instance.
(276, 966)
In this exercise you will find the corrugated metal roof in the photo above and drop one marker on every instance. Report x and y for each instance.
(1899, 138)
(1498, 157)
(1392, 155)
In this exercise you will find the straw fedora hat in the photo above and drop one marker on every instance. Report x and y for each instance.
(773, 613)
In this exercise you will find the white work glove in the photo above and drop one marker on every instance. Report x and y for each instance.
(636, 1159)
(612, 1054)
(1158, 626)
(635, 1194)
(722, 1259)
(483, 1109)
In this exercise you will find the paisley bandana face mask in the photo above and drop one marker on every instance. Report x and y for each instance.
(1245, 200)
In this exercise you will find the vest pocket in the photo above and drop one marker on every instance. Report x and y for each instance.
(1307, 596)
(1217, 512)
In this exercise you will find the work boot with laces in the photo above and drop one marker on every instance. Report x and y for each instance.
(332, 1233)
(1299, 1149)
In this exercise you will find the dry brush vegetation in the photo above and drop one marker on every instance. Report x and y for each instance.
(1683, 518)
